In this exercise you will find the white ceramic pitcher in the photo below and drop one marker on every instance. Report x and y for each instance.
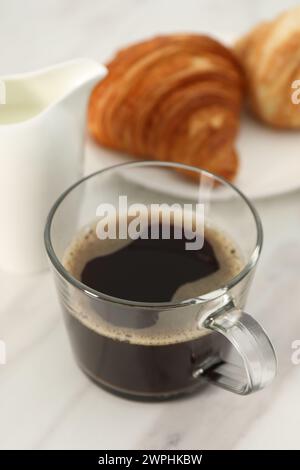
(42, 129)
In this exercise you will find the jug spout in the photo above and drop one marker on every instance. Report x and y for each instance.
(31, 95)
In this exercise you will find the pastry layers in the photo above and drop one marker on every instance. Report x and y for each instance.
(173, 98)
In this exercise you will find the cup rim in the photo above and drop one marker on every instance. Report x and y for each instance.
(212, 295)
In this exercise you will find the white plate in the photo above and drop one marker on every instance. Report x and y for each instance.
(269, 162)
(172, 184)
(269, 159)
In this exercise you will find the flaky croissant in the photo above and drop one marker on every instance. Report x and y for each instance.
(270, 55)
(174, 98)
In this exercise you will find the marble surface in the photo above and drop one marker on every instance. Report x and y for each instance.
(45, 401)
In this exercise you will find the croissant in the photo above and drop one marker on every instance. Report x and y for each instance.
(174, 98)
(270, 55)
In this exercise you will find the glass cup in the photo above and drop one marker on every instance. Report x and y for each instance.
(160, 350)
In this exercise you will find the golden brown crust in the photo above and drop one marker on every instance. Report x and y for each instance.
(270, 55)
(173, 98)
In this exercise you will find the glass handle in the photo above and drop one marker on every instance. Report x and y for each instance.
(254, 347)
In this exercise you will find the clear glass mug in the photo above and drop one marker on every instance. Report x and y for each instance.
(161, 350)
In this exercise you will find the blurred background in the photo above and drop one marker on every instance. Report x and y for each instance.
(35, 34)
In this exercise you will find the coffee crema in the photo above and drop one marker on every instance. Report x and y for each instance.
(152, 270)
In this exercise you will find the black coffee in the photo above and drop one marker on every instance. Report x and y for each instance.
(129, 350)
(144, 370)
(150, 270)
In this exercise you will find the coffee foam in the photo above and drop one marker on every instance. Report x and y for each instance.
(183, 326)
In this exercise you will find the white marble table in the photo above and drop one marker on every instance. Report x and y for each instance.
(45, 401)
